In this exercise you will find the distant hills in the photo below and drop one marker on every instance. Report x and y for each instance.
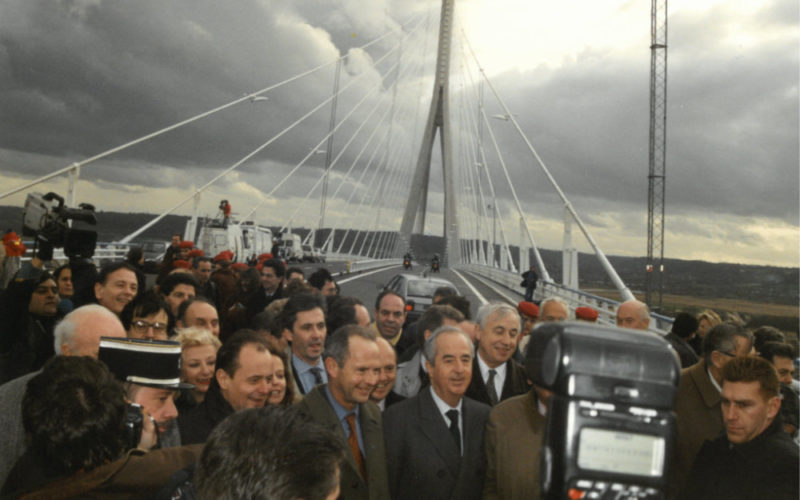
(768, 284)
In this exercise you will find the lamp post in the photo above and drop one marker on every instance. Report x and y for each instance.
(493, 208)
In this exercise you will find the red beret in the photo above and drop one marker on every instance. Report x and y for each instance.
(265, 256)
(240, 266)
(528, 308)
(196, 253)
(225, 255)
(182, 263)
(186, 244)
(586, 313)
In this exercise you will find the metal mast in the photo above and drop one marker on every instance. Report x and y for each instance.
(658, 142)
(438, 119)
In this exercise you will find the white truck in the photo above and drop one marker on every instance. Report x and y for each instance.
(245, 240)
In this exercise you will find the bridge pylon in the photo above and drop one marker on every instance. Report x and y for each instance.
(438, 120)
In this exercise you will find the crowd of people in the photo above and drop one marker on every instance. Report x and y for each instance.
(230, 380)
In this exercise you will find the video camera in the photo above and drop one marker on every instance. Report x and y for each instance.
(610, 425)
(46, 218)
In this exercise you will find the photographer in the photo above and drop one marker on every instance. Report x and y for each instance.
(74, 414)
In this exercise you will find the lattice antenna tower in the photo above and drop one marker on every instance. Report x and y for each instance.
(657, 165)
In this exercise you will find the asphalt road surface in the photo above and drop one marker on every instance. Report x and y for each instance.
(366, 285)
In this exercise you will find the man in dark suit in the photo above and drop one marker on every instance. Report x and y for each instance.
(382, 395)
(434, 440)
(495, 376)
(353, 363)
(303, 323)
(698, 404)
(411, 374)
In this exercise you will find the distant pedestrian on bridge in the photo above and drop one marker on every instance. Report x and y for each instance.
(529, 279)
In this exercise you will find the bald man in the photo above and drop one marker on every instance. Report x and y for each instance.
(78, 334)
(633, 314)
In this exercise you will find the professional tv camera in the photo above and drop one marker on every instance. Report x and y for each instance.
(46, 218)
(610, 425)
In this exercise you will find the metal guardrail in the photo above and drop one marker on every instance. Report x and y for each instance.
(363, 265)
(606, 307)
(103, 253)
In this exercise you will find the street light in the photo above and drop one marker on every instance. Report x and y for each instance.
(494, 227)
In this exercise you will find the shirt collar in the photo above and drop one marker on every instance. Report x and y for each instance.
(713, 381)
(302, 367)
(484, 368)
(341, 412)
(442, 406)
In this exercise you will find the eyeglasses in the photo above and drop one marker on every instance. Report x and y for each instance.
(730, 354)
(143, 326)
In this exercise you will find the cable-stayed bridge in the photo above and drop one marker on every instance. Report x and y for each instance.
(411, 139)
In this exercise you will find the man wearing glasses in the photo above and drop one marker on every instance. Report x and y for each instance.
(698, 405)
(146, 317)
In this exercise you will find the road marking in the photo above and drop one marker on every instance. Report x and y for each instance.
(472, 288)
(361, 275)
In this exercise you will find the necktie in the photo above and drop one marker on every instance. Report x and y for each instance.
(317, 375)
(490, 388)
(352, 440)
(453, 416)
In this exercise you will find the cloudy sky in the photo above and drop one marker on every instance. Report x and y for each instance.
(80, 77)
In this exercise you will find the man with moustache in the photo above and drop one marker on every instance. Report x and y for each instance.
(150, 372)
(434, 440)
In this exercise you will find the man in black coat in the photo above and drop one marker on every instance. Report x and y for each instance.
(243, 379)
(495, 376)
(434, 440)
(755, 458)
(683, 329)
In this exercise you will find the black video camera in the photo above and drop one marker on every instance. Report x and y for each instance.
(46, 218)
(610, 425)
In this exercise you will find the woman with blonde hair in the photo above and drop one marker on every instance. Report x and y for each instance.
(198, 359)
(706, 320)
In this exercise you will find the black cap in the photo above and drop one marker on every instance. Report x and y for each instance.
(152, 363)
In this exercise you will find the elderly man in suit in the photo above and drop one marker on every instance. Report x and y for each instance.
(434, 441)
(412, 375)
(495, 376)
(352, 360)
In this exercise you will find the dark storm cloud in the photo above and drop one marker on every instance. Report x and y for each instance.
(80, 77)
(732, 133)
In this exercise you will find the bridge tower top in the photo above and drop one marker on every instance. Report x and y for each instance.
(438, 120)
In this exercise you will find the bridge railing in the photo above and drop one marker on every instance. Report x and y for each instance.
(605, 307)
(103, 253)
(358, 263)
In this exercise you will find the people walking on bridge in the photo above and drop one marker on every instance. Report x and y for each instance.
(529, 279)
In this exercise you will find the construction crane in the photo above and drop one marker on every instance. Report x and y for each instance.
(658, 141)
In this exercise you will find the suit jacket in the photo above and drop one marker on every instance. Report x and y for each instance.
(516, 382)
(514, 436)
(409, 382)
(352, 485)
(422, 457)
(699, 418)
